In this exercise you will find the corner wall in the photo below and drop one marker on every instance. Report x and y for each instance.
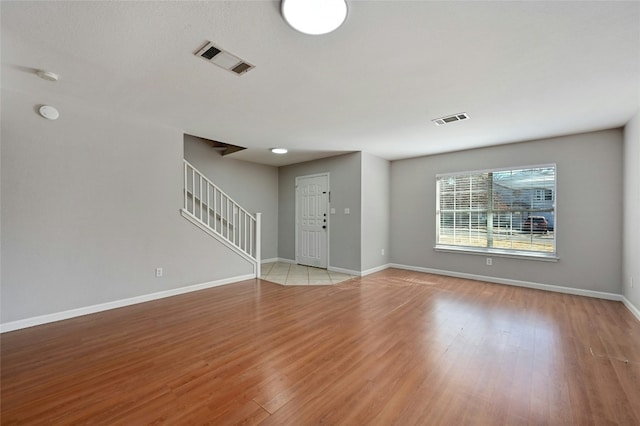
(631, 239)
(344, 229)
(90, 207)
(589, 217)
(376, 212)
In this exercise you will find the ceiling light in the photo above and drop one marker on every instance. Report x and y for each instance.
(279, 150)
(314, 16)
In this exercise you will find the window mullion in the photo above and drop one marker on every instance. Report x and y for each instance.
(490, 209)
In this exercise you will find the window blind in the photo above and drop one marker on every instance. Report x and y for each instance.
(509, 210)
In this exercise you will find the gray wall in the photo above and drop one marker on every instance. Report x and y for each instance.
(90, 209)
(631, 265)
(376, 211)
(253, 186)
(344, 230)
(589, 218)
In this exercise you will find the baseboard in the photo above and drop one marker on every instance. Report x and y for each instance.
(59, 316)
(518, 283)
(72, 313)
(344, 271)
(272, 260)
(283, 260)
(374, 270)
(630, 306)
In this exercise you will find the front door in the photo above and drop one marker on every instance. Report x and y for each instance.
(312, 220)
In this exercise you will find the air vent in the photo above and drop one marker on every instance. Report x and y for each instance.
(451, 118)
(210, 53)
(242, 67)
(223, 59)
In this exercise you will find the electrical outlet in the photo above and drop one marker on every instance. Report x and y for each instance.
(159, 272)
(382, 252)
(347, 210)
(489, 261)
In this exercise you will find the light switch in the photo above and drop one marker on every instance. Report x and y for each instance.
(333, 210)
(347, 210)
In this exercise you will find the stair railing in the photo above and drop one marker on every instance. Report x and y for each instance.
(211, 209)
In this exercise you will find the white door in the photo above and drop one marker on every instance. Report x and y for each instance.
(312, 220)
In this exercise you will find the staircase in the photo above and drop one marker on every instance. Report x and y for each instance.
(213, 211)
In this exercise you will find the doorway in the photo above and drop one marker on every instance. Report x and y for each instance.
(312, 220)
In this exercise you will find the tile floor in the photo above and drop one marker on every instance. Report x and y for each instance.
(290, 274)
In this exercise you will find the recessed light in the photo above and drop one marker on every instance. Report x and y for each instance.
(47, 75)
(279, 150)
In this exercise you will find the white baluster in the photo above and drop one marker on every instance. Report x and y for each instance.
(186, 203)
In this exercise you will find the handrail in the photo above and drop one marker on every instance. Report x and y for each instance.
(219, 215)
(214, 185)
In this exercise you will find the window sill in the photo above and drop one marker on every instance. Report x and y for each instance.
(479, 251)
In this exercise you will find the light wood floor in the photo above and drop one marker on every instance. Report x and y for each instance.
(396, 347)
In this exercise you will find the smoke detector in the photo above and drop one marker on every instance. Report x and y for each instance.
(47, 75)
(451, 118)
(220, 57)
(49, 112)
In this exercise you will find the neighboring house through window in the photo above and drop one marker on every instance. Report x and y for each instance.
(500, 211)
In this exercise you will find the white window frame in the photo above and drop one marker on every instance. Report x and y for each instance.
(493, 251)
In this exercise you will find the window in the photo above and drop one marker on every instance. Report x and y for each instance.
(502, 211)
(544, 194)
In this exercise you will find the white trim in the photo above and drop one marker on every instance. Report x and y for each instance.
(518, 283)
(283, 260)
(497, 169)
(374, 270)
(630, 306)
(272, 260)
(344, 271)
(494, 252)
(72, 313)
(257, 263)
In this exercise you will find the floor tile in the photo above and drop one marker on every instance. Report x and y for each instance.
(320, 282)
(291, 274)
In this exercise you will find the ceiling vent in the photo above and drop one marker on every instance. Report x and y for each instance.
(451, 118)
(223, 59)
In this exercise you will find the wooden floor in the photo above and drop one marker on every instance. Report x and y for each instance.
(396, 347)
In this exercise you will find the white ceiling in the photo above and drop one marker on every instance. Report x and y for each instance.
(522, 70)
